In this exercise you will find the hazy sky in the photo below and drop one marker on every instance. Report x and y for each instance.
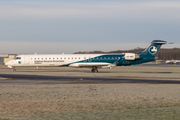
(54, 26)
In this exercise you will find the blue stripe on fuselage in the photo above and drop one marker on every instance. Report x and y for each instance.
(113, 58)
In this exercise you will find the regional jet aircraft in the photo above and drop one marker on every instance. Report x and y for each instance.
(93, 61)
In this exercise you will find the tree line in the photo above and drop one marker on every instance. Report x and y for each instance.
(163, 54)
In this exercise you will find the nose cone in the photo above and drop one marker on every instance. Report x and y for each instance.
(9, 63)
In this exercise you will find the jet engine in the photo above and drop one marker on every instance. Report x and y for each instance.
(131, 56)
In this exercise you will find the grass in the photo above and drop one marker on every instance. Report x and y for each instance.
(162, 113)
(90, 102)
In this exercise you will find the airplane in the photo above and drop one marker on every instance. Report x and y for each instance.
(172, 61)
(93, 61)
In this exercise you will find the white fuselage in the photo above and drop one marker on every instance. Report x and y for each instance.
(55, 60)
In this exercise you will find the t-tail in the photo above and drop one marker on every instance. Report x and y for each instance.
(153, 49)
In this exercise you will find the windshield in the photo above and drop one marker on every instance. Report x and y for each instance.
(18, 58)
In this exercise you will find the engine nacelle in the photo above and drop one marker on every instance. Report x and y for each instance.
(131, 56)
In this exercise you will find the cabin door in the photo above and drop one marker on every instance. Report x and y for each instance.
(26, 59)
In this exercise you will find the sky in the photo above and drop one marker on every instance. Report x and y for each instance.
(68, 26)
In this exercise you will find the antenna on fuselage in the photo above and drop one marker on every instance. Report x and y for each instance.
(63, 53)
(35, 53)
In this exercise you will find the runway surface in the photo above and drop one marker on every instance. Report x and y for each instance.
(12, 79)
(149, 74)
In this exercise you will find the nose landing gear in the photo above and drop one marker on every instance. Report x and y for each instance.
(14, 69)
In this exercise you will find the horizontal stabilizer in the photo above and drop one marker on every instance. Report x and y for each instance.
(159, 42)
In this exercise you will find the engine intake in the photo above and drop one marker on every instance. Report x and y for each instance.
(131, 56)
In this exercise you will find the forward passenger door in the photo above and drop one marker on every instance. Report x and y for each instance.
(26, 60)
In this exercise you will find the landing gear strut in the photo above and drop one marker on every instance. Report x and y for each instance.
(14, 69)
(94, 70)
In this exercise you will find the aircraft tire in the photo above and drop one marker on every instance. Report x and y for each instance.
(96, 71)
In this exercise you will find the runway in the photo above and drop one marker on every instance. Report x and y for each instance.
(40, 79)
(149, 74)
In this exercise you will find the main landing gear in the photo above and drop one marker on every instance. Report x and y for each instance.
(14, 69)
(94, 70)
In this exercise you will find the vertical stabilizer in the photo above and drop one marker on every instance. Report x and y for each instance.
(153, 49)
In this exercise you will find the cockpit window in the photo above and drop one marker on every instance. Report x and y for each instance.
(18, 58)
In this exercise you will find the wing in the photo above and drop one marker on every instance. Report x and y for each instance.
(92, 64)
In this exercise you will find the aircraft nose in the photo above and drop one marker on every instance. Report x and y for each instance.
(8, 63)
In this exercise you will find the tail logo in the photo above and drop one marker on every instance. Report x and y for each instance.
(153, 50)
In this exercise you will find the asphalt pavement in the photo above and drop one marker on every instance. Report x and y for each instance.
(16, 79)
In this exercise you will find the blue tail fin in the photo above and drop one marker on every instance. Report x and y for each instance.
(153, 49)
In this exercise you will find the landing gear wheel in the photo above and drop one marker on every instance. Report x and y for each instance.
(14, 69)
(94, 70)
